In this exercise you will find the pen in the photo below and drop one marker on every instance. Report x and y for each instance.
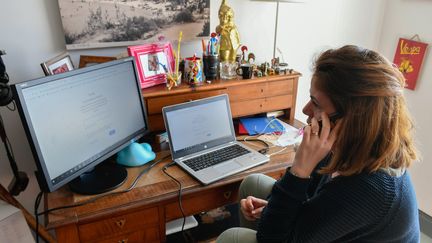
(203, 46)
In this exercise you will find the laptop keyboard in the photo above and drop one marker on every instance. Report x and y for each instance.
(215, 157)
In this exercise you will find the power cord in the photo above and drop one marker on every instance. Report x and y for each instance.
(262, 151)
(132, 186)
(36, 206)
(164, 170)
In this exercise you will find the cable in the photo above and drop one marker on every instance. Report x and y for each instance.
(262, 151)
(179, 195)
(13, 108)
(36, 206)
(277, 152)
(268, 124)
(262, 132)
(132, 186)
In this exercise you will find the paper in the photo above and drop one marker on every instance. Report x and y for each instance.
(290, 136)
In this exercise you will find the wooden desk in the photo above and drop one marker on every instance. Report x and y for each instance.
(247, 96)
(140, 214)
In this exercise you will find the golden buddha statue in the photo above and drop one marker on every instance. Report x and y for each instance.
(229, 36)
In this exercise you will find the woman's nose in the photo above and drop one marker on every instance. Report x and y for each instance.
(307, 109)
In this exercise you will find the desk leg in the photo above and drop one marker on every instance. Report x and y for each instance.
(68, 233)
(162, 226)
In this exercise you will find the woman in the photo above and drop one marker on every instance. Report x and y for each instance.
(348, 180)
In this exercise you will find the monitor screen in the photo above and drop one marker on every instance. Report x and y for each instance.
(76, 120)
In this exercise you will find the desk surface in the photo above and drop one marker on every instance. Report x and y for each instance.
(155, 189)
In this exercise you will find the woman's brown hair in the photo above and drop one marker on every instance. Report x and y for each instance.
(367, 90)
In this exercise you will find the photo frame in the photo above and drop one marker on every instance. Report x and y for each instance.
(153, 61)
(101, 24)
(86, 60)
(59, 64)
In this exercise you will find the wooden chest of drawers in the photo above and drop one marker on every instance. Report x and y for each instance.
(247, 97)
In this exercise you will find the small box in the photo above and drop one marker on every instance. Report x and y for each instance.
(161, 137)
(13, 226)
(176, 225)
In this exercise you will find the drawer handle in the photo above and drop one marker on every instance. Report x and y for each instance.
(123, 241)
(262, 90)
(227, 194)
(121, 223)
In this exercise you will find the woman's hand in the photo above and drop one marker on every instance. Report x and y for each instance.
(252, 207)
(314, 146)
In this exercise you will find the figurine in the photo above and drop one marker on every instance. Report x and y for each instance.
(244, 49)
(212, 46)
(275, 62)
(264, 68)
(251, 58)
(229, 36)
(256, 71)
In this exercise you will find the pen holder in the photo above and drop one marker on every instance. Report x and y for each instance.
(211, 63)
(193, 72)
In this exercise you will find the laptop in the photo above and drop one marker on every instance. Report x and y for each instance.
(203, 142)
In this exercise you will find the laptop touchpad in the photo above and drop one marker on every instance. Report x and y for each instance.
(227, 167)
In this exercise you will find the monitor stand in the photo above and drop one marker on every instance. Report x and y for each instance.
(102, 178)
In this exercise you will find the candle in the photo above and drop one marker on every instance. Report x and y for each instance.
(178, 53)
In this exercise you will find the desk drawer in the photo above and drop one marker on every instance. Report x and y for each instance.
(247, 92)
(154, 105)
(256, 106)
(119, 225)
(260, 90)
(203, 201)
(282, 87)
(150, 234)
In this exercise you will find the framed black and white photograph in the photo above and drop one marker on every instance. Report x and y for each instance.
(59, 64)
(107, 23)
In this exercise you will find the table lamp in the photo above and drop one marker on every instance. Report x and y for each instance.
(277, 16)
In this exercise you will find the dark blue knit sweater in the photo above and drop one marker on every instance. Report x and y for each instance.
(374, 207)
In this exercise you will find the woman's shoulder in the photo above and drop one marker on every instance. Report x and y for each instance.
(379, 187)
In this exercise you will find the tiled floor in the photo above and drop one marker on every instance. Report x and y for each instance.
(425, 239)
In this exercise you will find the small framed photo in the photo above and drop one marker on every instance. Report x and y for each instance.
(153, 62)
(86, 61)
(59, 64)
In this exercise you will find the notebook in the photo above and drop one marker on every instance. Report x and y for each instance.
(203, 142)
(259, 125)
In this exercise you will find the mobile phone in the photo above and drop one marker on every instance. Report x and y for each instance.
(332, 117)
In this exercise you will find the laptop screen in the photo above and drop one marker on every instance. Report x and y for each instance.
(198, 125)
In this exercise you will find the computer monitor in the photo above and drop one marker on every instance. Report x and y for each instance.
(76, 120)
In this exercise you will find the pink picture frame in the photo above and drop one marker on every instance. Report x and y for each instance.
(153, 61)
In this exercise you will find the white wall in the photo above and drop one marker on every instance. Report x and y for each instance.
(405, 19)
(31, 33)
